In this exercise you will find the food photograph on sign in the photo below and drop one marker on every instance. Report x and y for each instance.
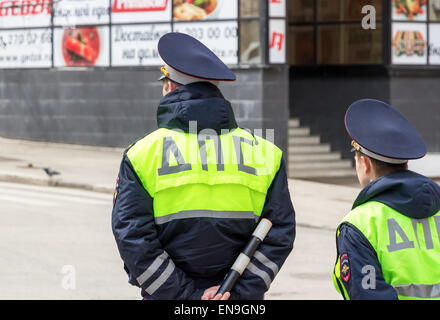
(410, 10)
(409, 43)
(81, 47)
(188, 10)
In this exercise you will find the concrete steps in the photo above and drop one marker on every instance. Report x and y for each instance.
(309, 158)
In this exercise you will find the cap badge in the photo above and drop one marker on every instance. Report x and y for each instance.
(165, 72)
(356, 145)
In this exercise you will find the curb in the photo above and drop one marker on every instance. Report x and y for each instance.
(14, 178)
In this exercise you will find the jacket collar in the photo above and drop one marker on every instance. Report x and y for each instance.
(201, 102)
(407, 192)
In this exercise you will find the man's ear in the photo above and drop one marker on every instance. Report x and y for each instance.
(367, 164)
(173, 85)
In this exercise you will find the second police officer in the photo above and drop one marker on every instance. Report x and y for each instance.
(388, 246)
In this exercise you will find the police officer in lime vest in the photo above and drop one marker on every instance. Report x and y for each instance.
(388, 246)
(190, 194)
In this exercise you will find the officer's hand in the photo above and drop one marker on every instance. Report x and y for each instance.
(210, 294)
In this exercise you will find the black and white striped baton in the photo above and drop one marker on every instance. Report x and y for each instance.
(245, 256)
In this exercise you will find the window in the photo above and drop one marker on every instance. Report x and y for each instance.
(329, 32)
(249, 9)
(301, 50)
(301, 11)
(250, 44)
(349, 44)
(250, 51)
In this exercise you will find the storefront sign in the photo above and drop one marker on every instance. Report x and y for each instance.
(81, 12)
(26, 48)
(409, 10)
(277, 8)
(277, 41)
(221, 37)
(191, 10)
(25, 13)
(136, 45)
(128, 11)
(434, 44)
(409, 43)
(103, 33)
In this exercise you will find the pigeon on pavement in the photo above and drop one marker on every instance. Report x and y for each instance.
(50, 172)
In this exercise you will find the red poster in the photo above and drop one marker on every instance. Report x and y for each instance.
(81, 46)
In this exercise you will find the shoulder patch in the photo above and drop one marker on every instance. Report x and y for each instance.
(345, 267)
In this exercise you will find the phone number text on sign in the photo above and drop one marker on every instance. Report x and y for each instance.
(26, 48)
(220, 37)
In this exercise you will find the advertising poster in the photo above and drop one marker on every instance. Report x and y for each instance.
(26, 48)
(80, 12)
(25, 13)
(434, 44)
(221, 37)
(409, 10)
(277, 8)
(128, 11)
(81, 47)
(136, 45)
(190, 10)
(277, 41)
(409, 43)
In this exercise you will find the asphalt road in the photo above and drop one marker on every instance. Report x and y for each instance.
(56, 243)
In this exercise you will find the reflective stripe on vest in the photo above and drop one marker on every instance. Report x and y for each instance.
(408, 249)
(422, 291)
(205, 175)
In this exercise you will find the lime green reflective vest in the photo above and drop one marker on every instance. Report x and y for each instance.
(408, 249)
(190, 175)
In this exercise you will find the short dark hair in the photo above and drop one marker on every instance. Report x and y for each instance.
(384, 168)
(176, 83)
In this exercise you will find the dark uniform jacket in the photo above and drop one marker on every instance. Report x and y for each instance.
(201, 249)
(407, 192)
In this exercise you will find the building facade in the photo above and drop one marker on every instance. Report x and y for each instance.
(85, 72)
(340, 51)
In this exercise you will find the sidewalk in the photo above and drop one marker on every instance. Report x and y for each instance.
(83, 167)
(96, 168)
